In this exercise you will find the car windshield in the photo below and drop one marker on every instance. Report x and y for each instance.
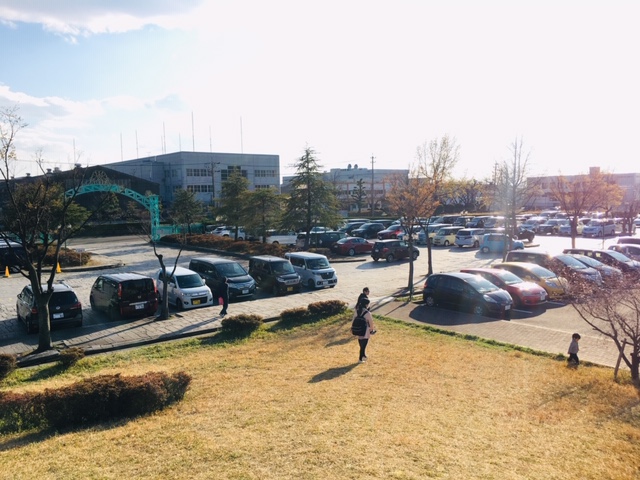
(318, 263)
(482, 285)
(508, 278)
(132, 289)
(619, 256)
(191, 280)
(569, 261)
(588, 261)
(542, 272)
(60, 299)
(231, 270)
(282, 267)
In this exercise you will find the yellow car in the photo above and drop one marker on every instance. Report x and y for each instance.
(530, 272)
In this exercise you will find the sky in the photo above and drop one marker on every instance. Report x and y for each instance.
(99, 82)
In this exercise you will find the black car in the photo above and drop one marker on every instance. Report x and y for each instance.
(368, 230)
(525, 234)
(551, 226)
(124, 295)
(609, 257)
(12, 255)
(466, 291)
(392, 249)
(274, 274)
(214, 270)
(64, 307)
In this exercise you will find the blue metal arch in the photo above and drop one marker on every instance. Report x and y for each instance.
(150, 202)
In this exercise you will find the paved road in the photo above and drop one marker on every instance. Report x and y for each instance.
(549, 332)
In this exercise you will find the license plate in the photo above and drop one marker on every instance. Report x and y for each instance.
(289, 289)
(244, 292)
(507, 307)
(139, 306)
(57, 315)
(196, 302)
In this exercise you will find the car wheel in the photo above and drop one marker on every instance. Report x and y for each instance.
(390, 258)
(375, 259)
(446, 243)
(179, 304)
(476, 244)
(311, 284)
(274, 290)
(429, 301)
(351, 252)
(275, 242)
(485, 249)
(415, 255)
(478, 310)
(93, 303)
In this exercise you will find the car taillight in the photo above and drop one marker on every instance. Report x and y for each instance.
(120, 291)
(34, 310)
(77, 305)
(385, 249)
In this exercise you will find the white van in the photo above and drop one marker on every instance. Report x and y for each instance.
(314, 269)
(282, 237)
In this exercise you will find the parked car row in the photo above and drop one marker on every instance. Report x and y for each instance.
(530, 278)
(126, 295)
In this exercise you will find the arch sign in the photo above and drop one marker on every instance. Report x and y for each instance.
(101, 183)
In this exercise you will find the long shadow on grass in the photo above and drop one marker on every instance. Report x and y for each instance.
(332, 373)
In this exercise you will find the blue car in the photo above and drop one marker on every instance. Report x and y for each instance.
(495, 243)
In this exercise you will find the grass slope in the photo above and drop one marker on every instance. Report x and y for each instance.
(296, 405)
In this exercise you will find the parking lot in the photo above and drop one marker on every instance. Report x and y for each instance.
(384, 279)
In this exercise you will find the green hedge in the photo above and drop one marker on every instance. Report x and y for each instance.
(98, 399)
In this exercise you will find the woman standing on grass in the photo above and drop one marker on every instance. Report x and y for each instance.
(362, 310)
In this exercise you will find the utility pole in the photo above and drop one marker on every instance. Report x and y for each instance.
(372, 195)
(213, 181)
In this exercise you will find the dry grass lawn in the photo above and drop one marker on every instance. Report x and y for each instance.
(296, 405)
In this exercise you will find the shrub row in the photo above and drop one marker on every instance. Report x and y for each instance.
(312, 312)
(97, 399)
(8, 363)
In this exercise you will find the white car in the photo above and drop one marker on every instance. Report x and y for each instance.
(230, 232)
(185, 288)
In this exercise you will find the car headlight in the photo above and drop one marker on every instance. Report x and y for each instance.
(553, 284)
(488, 299)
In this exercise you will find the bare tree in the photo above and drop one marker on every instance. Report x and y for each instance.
(41, 213)
(418, 196)
(615, 313)
(583, 193)
(138, 214)
(511, 189)
(435, 162)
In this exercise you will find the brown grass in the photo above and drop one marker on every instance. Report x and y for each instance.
(296, 405)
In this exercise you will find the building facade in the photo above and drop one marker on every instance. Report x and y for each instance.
(201, 172)
(629, 182)
(347, 182)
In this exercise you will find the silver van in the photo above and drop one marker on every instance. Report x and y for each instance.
(314, 269)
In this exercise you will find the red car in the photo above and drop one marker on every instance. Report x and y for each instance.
(524, 294)
(351, 245)
(392, 232)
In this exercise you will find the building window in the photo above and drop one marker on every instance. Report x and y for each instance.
(265, 173)
(200, 188)
(198, 172)
(225, 174)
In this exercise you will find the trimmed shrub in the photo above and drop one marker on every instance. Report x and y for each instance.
(8, 363)
(295, 315)
(97, 399)
(327, 308)
(70, 356)
(242, 324)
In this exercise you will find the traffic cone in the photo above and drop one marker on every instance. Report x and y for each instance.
(58, 269)
(6, 272)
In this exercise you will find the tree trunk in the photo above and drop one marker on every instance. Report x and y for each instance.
(44, 332)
